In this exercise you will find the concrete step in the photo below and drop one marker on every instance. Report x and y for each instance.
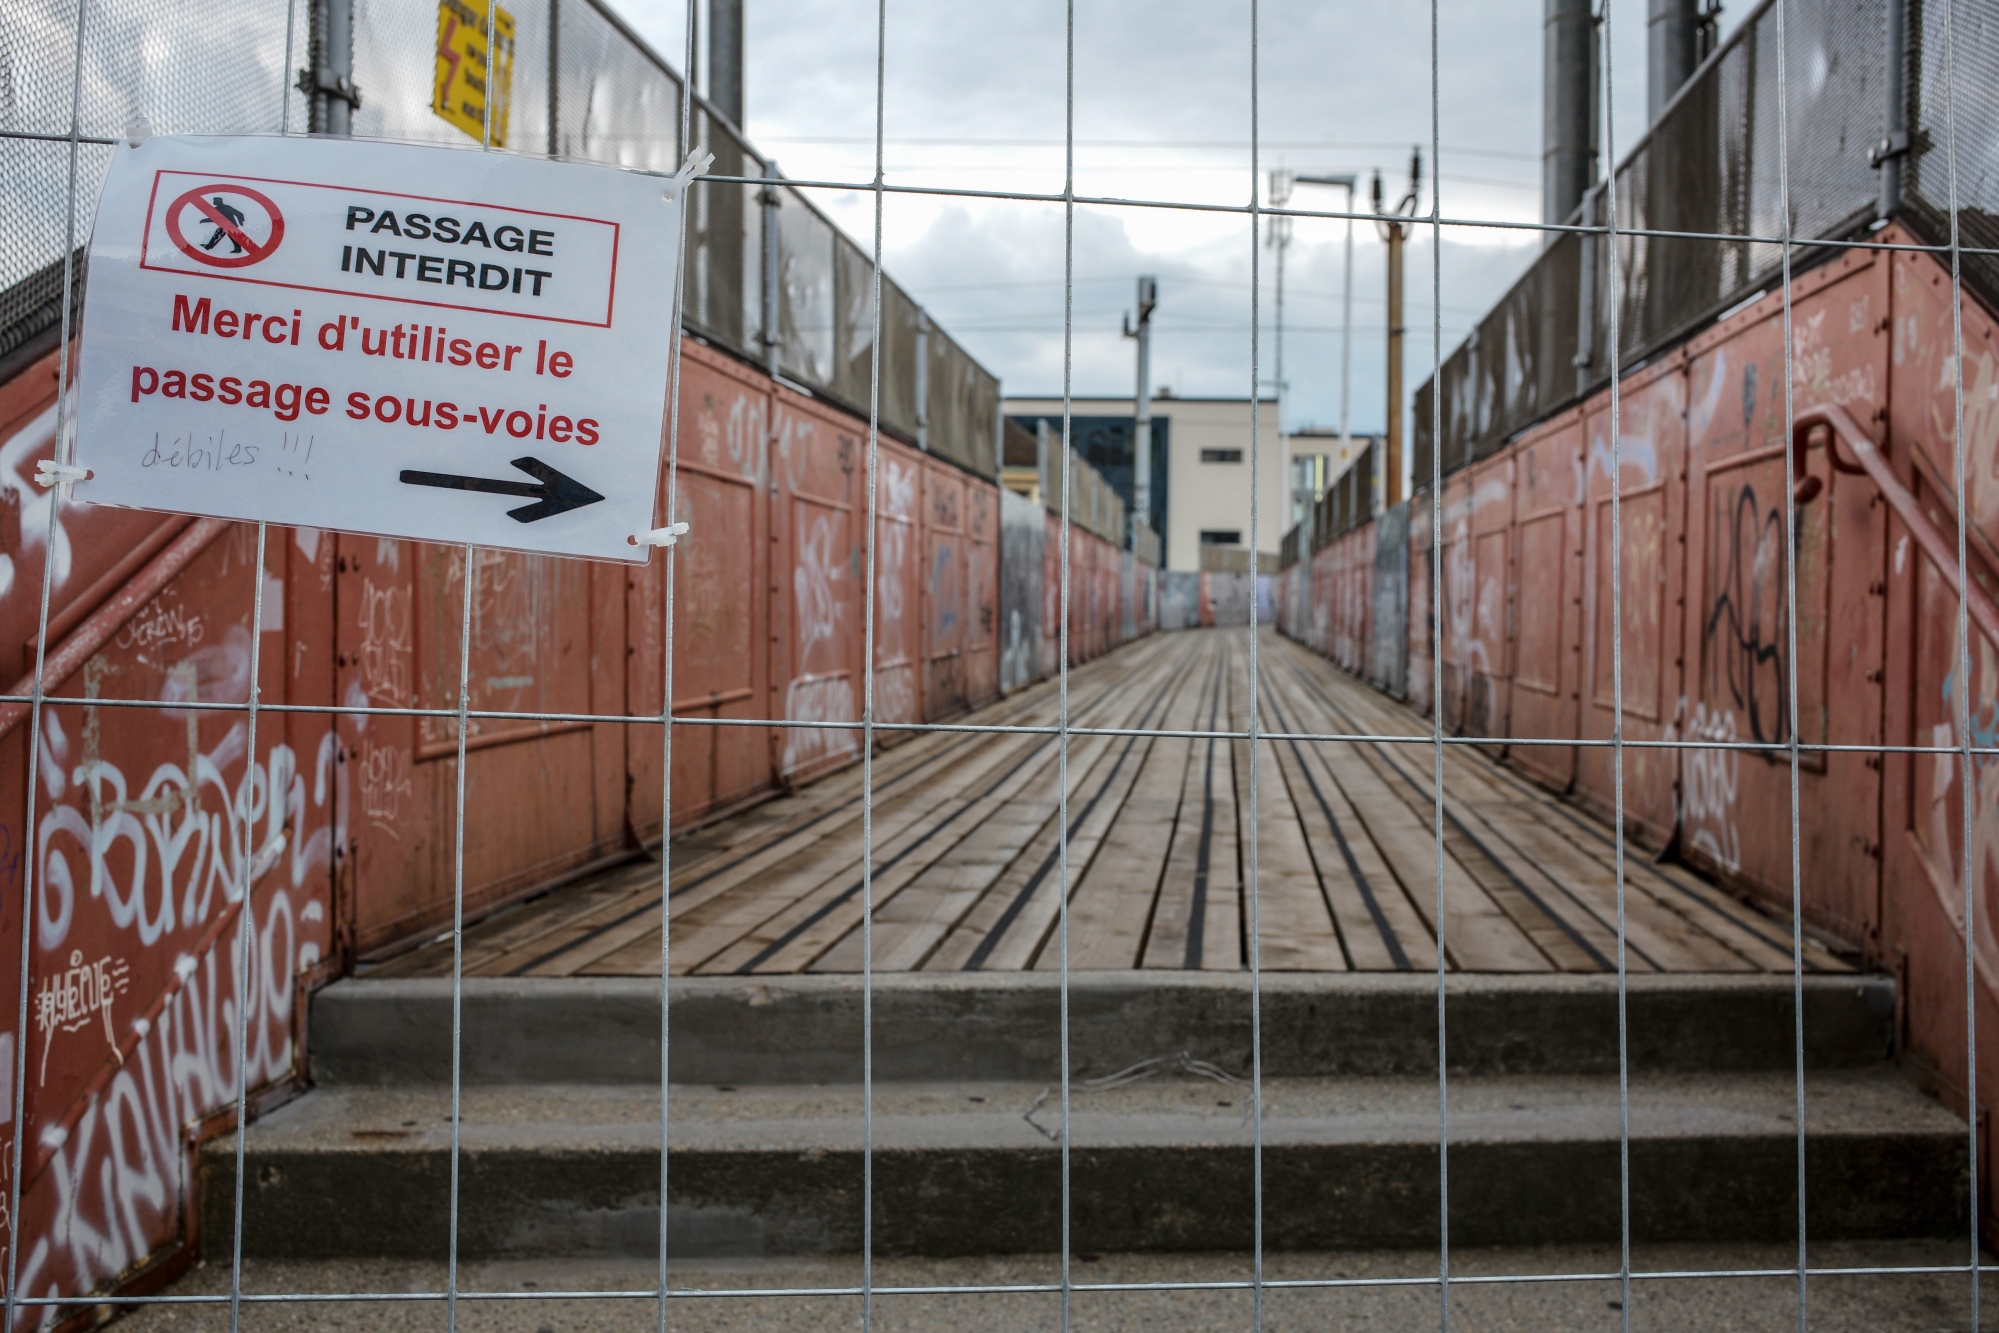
(956, 1026)
(1165, 1163)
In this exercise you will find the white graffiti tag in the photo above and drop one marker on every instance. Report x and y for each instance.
(1709, 782)
(102, 1176)
(68, 1001)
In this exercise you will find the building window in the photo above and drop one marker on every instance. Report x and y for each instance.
(1221, 536)
(1221, 455)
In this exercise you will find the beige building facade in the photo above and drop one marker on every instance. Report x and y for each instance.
(1208, 466)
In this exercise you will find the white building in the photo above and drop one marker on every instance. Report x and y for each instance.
(1206, 470)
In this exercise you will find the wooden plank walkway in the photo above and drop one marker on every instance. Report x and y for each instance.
(969, 862)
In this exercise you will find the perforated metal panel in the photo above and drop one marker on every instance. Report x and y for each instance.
(1973, 57)
(1710, 167)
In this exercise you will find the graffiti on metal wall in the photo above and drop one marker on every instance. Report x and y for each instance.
(163, 859)
(1742, 634)
(33, 504)
(1022, 533)
(1941, 824)
(896, 627)
(1710, 781)
(821, 691)
(386, 783)
(150, 828)
(387, 640)
(76, 998)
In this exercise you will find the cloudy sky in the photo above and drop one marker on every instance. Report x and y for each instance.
(975, 99)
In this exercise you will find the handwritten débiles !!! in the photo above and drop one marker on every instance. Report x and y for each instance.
(379, 338)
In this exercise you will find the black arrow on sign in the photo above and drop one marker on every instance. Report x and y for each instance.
(556, 493)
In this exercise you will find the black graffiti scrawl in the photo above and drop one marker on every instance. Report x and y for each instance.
(1742, 636)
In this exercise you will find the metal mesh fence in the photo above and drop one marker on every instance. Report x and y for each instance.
(771, 279)
(1933, 114)
(1708, 169)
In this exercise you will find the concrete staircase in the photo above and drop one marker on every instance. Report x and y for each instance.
(561, 1116)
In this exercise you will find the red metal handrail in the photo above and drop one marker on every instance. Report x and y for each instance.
(70, 655)
(1942, 552)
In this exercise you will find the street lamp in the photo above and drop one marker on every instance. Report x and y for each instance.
(1281, 184)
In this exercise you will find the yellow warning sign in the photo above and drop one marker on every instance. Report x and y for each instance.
(458, 93)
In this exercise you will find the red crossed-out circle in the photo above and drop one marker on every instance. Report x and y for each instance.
(252, 252)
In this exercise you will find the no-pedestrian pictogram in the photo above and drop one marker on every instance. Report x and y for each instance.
(227, 223)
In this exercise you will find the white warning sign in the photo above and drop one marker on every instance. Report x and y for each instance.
(413, 342)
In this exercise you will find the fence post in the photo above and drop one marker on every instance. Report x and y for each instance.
(554, 76)
(923, 380)
(772, 336)
(1586, 293)
(328, 79)
(1887, 156)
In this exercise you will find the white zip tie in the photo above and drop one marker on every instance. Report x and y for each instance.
(697, 164)
(669, 535)
(50, 474)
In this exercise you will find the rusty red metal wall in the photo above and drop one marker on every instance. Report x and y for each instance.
(1922, 818)
(1326, 624)
(1548, 596)
(817, 470)
(1650, 574)
(769, 623)
(1101, 601)
(1353, 572)
(1737, 806)
(1421, 617)
(139, 841)
(1526, 640)
(541, 798)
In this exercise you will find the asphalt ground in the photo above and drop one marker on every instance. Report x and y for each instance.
(1897, 1303)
